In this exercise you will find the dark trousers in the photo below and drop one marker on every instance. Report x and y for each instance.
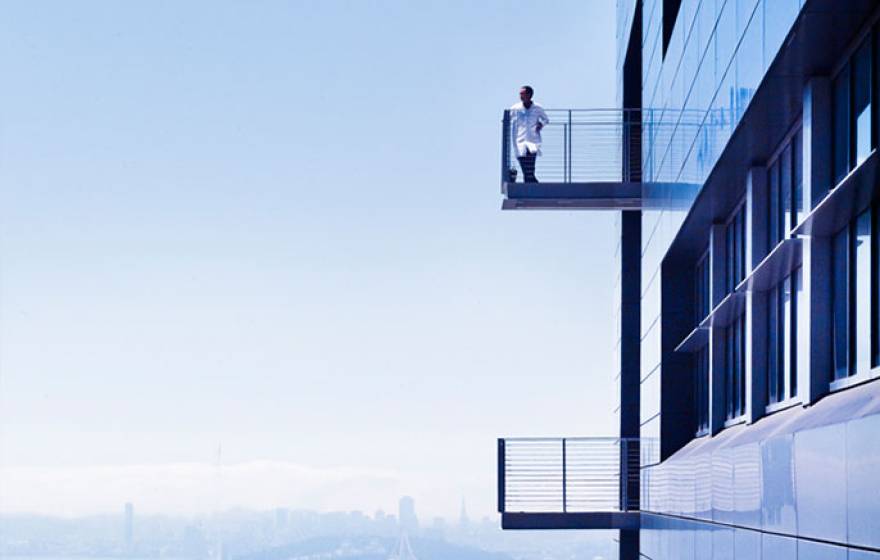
(527, 163)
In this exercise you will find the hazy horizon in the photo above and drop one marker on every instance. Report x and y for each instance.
(276, 228)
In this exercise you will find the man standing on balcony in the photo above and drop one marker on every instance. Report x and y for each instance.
(527, 120)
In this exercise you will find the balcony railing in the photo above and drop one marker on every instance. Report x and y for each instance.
(568, 475)
(580, 146)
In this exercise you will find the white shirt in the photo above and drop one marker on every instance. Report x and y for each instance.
(524, 124)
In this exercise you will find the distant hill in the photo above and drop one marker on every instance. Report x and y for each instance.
(369, 548)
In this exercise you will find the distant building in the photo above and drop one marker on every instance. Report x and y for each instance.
(407, 515)
(463, 520)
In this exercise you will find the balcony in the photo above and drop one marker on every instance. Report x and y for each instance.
(568, 483)
(591, 159)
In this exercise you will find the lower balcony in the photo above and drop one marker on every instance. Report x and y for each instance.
(568, 483)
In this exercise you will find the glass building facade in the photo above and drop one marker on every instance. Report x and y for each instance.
(760, 343)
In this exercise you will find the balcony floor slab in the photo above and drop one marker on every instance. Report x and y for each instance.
(578, 520)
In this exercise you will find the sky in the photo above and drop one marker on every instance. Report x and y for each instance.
(252, 253)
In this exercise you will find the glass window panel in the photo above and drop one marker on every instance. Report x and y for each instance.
(775, 210)
(741, 365)
(797, 151)
(727, 37)
(787, 320)
(773, 345)
(706, 283)
(750, 59)
(706, 389)
(840, 302)
(862, 102)
(841, 125)
(702, 389)
(875, 281)
(779, 16)
(862, 296)
(801, 329)
(876, 35)
(785, 193)
(729, 259)
(728, 370)
(740, 246)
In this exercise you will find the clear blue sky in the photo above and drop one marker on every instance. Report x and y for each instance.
(276, 226)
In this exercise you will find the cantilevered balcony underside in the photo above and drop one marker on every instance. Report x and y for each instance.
(572, 196)
(568, 483)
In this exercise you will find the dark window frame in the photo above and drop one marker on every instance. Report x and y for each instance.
(702, 287)
(701, 390)
(846, 298)
(735, 370)
(782, 337)
(735, 239)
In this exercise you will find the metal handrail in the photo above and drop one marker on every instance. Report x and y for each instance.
(580, 145)
(595, 145)
(567, 475)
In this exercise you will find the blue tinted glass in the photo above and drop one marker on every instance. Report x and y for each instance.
(862, 295)
(774, 233)
(779, 17)
(841, 125)
(840, 297)
(862, 101)
(787, 345)
(797, 163)
(773, 345)
(801, 329)
(785, 189)
(749, 62)
(728, 370)
(741, 365)
(727, 36)
(740, 242)
(875, 276)
(729, 259)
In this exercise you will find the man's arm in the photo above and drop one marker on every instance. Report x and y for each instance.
(542, 119)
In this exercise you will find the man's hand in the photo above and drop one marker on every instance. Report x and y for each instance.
(539, 126)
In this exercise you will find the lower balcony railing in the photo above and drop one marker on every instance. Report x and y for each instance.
(545, 482)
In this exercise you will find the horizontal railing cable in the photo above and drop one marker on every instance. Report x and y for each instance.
(568, 474)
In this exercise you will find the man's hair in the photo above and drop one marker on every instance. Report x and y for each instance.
(529, 90)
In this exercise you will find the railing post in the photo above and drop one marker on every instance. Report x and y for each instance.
(564, 482)
(505, 149)
(568, 150)
(565, 162)
(501, 475)
(624, 473)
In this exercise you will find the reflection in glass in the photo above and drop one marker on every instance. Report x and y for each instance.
(790, 327)
(775, 229)
(773, 343)
(841, 125)
(785, 190)
(840, 302)
(801, 330)
(797, 151)
(875, 281)
(788, 340)
(861, 306)
(701, 393)
(862, 102)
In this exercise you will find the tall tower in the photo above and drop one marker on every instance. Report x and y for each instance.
(409, 523)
